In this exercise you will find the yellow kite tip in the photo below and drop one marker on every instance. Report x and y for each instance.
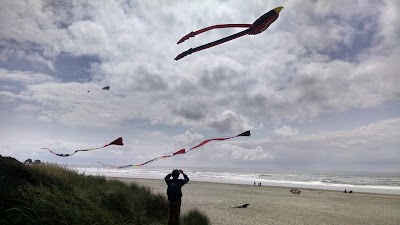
(278, 9)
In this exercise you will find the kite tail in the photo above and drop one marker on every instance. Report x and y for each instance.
(194, 33)
(115, 167)
(244, 134)
(57, 154)
(71, 154)
(181, 151)
(117, 141)
(184, 54)
(212, 44)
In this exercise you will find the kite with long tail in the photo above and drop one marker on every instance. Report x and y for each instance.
(260, 25)
(117, 141)
(183, 150)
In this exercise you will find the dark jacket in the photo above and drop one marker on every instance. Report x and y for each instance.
(179, 182)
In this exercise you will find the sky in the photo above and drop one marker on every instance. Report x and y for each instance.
(319, 89)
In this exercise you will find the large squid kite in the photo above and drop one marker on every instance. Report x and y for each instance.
(182, 151)
(260, 25)
(117, 141)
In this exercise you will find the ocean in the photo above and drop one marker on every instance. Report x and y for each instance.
(370, 182)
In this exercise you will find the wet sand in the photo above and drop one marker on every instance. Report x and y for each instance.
(276, 205)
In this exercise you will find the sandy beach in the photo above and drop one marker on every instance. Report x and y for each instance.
(276, 205)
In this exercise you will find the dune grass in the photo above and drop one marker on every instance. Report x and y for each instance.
(195, 217)
(50, 194)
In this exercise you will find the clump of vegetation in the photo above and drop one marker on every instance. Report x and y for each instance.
(50, 194)
(195, 217)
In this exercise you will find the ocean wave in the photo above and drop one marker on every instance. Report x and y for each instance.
(264, 175)
(388, 185)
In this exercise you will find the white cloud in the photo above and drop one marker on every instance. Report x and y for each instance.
(229, 152)
(286, 131)
(359, 148)
(292, 77)
(24, 78)
(87, 38)
(317, 58)
(230, 121)
(388, 28)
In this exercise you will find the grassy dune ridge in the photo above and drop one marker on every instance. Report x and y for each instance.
(50, 194)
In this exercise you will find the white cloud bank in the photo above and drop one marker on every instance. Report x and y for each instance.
(318, 57)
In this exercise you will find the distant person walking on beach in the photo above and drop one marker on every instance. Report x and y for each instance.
(174, 194)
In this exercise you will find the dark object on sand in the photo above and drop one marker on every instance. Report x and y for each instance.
(345, 191)
(350, 191)
(295, 191)
(241, 206)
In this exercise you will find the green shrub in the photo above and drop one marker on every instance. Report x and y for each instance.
(195, 217)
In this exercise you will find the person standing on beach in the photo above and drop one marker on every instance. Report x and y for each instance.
(174, 194)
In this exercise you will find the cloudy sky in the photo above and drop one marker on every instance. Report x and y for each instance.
(319, 90)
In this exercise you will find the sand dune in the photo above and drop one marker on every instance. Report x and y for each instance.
(276, 205)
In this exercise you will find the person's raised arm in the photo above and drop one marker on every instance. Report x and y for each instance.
(186, 178)
(167, 177)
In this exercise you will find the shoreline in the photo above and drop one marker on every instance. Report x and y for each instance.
(276, 205)
(366, 183)
(266, 185)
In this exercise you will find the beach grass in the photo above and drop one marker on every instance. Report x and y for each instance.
(50, 194)
(195, 217)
